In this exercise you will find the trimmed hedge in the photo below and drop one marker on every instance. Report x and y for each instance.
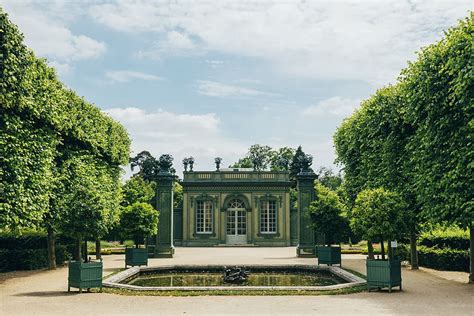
(29, 251)
(444, 259)
(453, 238)
(30, 259)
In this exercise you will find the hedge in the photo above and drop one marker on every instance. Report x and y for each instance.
(30, 259)
(30, 88)
(42, 123)
(444, 259)
(453, 238)
(29, 251)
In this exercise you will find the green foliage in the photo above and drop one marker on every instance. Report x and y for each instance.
(90, 196)
(263, 157)
(28, 251)
(41, 122)
(439, 92)
(454, 238)
(30, 88)
(296, 164)
(138, 221)
(177, 195)
(26, 158)
(329, 179)
(379, 214)
(280, 159)
(136, 189)
(326, 214)
(444, 259)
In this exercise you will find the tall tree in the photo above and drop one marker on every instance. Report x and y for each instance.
(280, 159)
(439, 89)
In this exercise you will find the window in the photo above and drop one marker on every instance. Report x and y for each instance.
(204, 217)
(236, 203)
(268, 217)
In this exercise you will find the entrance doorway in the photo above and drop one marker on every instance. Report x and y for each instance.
(236, 226)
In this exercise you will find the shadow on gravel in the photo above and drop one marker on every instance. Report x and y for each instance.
(50, 293)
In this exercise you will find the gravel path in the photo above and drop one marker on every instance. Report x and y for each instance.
(426, 292)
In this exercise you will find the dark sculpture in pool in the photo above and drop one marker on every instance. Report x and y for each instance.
(235, 275)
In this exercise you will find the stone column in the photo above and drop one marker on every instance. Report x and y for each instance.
(306, 194)
(164, 204)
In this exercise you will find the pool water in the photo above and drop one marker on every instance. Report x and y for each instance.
(193, 278)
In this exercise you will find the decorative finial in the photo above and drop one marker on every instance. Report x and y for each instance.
(218, 161)
(165, 162)
(185, 164)
(191, 163)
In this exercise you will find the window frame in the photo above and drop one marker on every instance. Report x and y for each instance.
(262, 222)
(211, 205)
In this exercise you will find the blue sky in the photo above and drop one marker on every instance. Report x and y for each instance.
(210, 79)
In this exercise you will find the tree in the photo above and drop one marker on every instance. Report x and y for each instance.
(242, 163)
(138, 221)
(326, 213)
(439, 103)
(136, 189)
(380, 215)
(327, 178)
(280, 159)
(147, 165)
(295, 165)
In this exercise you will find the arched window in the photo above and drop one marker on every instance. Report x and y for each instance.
(236, 203)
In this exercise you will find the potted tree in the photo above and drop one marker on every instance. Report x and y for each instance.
(137, 222)
(327, 221)
(380, 215)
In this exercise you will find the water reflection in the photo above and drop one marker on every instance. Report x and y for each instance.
(255, 279)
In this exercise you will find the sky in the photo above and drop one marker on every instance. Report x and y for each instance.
(211, 78)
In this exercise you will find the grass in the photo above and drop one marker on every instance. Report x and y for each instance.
(351, 290)
(360, 275)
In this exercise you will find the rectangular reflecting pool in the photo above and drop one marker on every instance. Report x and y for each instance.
(215, 278)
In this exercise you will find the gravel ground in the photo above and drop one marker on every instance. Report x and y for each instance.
(425, 292)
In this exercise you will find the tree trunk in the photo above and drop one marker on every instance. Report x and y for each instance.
(97, 249)
(382, 249)
(390, 251)
(370, 249)
(471, 252)
(51, 249)
(77, 252)
(84, 250)
(413, 251)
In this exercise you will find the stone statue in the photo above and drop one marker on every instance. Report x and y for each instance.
(185, 164)
(191, 163)
(235, 275)
(218, 161)
(164, 163)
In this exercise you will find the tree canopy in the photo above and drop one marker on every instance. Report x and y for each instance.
(138, 221)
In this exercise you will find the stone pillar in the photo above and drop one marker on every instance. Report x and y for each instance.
(306, 194)
(164, 204)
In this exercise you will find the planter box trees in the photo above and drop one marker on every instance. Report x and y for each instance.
(136, 257)
(384, 273)
(328, 222)
(381, 215)
(329, 255)
(138, 221)
(85, 275)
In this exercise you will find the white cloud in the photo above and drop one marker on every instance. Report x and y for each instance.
(181, 135)
(61, 68)
(48, 34)
(366, 40)
(218, 89)
(126, 76)
(335, 106)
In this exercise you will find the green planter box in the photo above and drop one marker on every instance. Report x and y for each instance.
(84, 275)
(136, 257)
(329, 255)
(384, 273)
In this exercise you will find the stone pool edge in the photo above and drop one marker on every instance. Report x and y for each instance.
(114, 280)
